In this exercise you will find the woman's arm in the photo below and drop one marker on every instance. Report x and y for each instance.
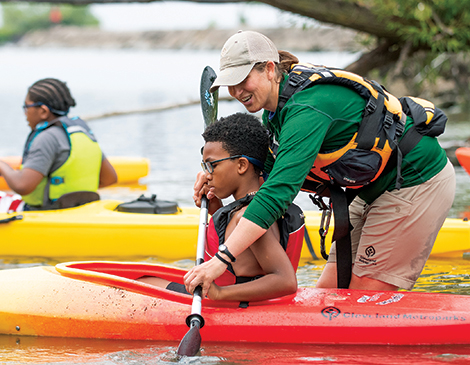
(22, 181)
(108, 175)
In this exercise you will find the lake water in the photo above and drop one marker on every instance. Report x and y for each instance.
(114, 80)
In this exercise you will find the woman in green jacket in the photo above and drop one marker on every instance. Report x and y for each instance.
(394, 228)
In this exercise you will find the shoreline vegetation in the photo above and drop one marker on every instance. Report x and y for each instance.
(327, 39)
(319, 39)
(443, 91)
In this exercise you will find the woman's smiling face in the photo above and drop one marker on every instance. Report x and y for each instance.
(258, 91)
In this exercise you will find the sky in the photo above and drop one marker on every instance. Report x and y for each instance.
(179, 15)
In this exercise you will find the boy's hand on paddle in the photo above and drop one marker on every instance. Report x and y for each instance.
(201, 188)
(214, 292)
(204, 275)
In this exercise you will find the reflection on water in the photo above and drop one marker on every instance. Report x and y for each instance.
(445, 276)
(439, 275)
(66, 351)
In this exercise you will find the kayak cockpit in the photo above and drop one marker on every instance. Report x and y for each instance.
(124, 275)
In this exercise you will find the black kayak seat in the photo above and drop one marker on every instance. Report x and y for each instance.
(148, 205)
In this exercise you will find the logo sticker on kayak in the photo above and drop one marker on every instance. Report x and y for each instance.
(393, 299)
(366, 298)
(330, 312)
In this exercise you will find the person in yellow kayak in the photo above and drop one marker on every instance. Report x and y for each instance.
(233, 158)
(338, 134)
(61, 157)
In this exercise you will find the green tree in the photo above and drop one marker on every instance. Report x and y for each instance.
(20, 18)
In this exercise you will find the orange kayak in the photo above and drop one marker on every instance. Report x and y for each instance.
(103, 300)
(129, 169)
(463, 155)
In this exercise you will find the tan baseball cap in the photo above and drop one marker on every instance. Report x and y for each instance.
(240, 53)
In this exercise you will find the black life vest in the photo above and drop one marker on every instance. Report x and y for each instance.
(291, 228)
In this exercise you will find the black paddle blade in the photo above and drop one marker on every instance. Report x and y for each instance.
(209, 101)
(191, 342)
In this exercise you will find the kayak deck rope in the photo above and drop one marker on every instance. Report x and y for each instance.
(11, 219)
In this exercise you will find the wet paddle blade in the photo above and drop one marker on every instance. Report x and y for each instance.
(209, 101)
(191, 342)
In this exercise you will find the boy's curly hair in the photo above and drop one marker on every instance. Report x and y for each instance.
(240, 134)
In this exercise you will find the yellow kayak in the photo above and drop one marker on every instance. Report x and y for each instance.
(453, 238)
(97, 231)
(129, 169)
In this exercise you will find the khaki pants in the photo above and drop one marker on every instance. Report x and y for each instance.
(393, 237)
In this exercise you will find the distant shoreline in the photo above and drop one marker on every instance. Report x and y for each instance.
(290, 39)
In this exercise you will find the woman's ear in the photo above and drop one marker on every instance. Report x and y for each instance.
(270, 70)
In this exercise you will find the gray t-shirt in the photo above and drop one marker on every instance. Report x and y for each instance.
(49, 150)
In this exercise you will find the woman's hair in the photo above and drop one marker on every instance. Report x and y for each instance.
(53, 93)
(240, 134)
(286, 60)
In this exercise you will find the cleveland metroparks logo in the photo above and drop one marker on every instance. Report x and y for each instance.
(330, 312)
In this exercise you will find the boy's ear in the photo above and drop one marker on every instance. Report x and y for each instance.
(243, 165)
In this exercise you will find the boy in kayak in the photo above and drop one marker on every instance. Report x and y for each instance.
(233, 159)
(61, 155)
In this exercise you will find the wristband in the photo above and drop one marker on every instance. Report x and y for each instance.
(224, 249)
(222, 259)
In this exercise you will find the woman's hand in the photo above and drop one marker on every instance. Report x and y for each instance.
(204, 275)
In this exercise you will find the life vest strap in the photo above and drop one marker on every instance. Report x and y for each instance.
(324, 224)
(295, 83)
(370, 123)
(342, 237)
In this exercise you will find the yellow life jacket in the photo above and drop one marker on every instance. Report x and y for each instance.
(80, 172)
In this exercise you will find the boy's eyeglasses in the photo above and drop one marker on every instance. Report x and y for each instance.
(26, 106)
(208, 166)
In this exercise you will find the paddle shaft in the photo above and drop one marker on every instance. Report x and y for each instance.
(209, 103)
(191, 342)
(201, 244)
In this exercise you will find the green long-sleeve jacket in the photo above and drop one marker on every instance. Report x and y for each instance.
(324, 118)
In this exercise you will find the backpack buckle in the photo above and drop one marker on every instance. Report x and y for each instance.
(388, 120)
(399, 129)
(296, 79)
(371, 105)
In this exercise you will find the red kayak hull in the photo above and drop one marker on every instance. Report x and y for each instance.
(102, 300)
(463, 156)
